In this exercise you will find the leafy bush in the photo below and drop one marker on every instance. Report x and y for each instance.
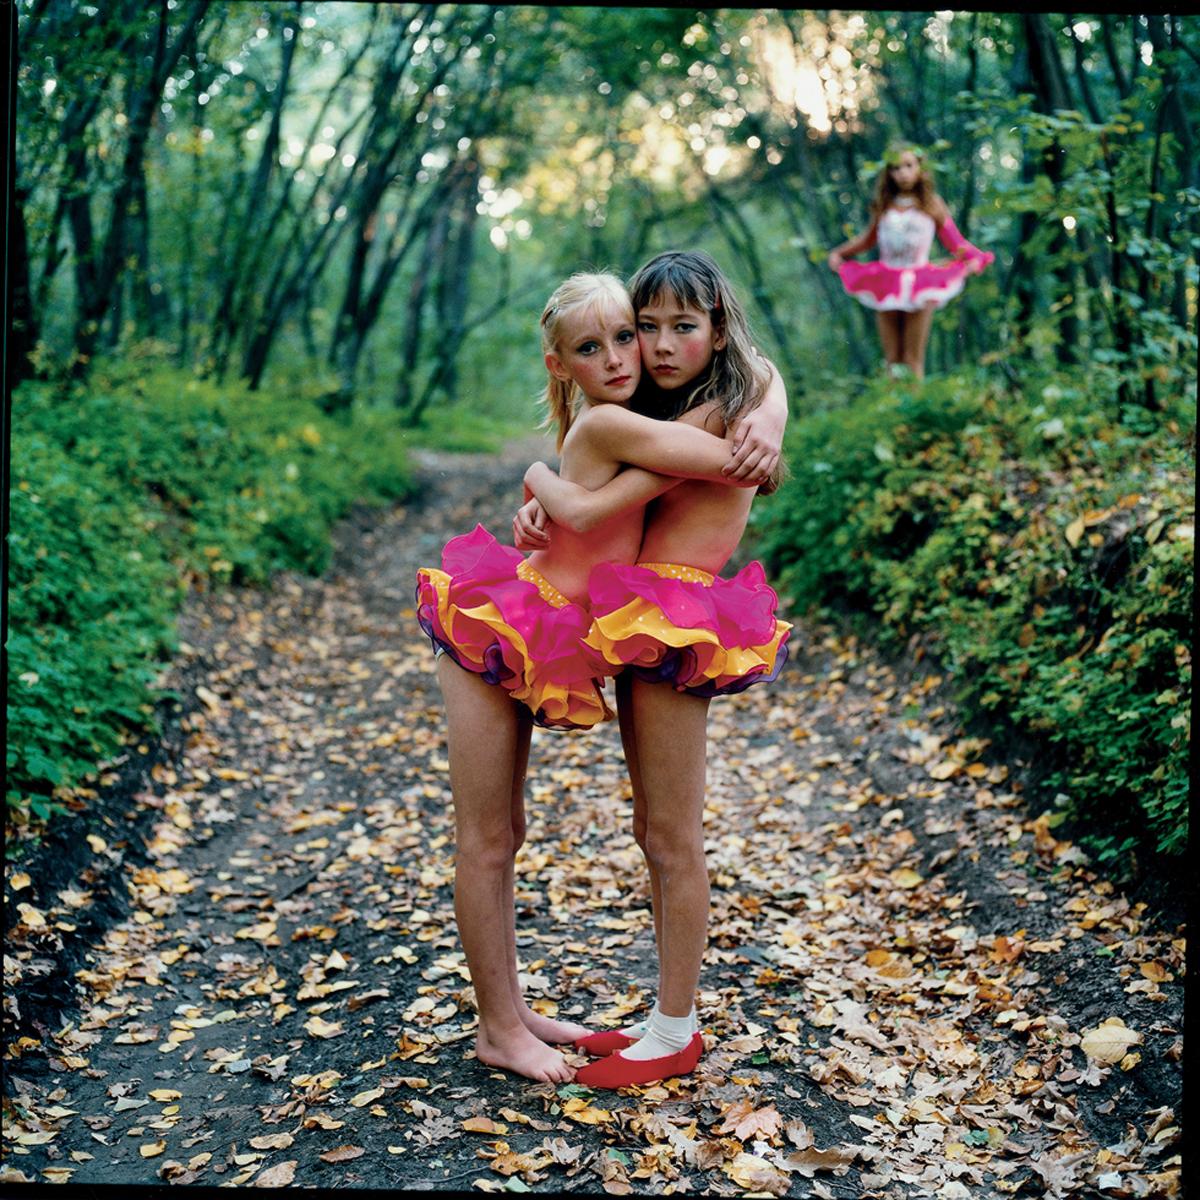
(124, 495)
(1043, 551)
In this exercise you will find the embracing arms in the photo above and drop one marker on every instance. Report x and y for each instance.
(660, 454)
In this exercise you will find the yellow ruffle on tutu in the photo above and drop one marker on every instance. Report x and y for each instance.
(703, 634)
(496, 616)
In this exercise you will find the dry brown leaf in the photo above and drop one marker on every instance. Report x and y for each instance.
(342, 1154)
(484, 1125)
(280, 1175)
(744, 1121)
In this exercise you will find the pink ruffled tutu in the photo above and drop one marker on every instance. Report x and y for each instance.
(496, 616)
(703, 634)
(903, 279)
(908, 289)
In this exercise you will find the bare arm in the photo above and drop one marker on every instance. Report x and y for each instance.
(666, 447)
(580, 510)
(758, 436)
(854, 246)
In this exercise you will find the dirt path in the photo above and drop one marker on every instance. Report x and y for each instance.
(902, 963)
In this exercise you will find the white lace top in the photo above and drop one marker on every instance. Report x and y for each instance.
(905, 234)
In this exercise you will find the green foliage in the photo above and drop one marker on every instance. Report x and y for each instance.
(1042, 550)
(125, 494)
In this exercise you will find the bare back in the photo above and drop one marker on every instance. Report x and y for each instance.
(697, 523)
(570, 557)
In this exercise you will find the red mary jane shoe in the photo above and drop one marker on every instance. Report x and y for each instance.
(616, 1071)
(604, 1042)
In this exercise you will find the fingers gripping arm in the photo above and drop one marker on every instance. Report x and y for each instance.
(758, 436)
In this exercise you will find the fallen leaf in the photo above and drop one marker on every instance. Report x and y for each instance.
(272, 1141)
(280, 1175)
(342, 1154)
(1109, 1041)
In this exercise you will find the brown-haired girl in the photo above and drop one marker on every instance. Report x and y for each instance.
(903, 287)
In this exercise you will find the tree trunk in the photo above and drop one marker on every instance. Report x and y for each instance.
(23, 329)
(1050, 88)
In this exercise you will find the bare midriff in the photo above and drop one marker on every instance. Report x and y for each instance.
(569, 560)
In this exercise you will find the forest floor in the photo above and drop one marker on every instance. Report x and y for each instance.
(247, 971)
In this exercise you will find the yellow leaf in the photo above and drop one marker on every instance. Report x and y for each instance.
(1108, 1041)
(18, 881)
(210, 700)
(364, 1098)
(164, 1094)
(322, 1029)
(1156, 972)
(906, 877)
(755, 1174)
(1075, 531)
(259, 932)
(484, 1125)
(945, 769)
(581, 1111)
(272, 1141)
(31, 916)
(150, 1149)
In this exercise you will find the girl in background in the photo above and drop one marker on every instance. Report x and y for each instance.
(903, 286)
(508, 634)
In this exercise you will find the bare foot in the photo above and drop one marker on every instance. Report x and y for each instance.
(525, 1054)
(558, 1033)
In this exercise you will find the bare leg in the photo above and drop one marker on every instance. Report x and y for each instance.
(632, 762)
(671, 729)
(544, 1028)
(916, 339)
(890, 326)
(486, 762)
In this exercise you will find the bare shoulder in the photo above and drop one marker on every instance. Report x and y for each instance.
(705, 416)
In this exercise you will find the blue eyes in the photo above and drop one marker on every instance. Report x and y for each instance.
(622, 339)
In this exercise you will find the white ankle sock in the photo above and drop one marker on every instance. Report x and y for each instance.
(664, 1035)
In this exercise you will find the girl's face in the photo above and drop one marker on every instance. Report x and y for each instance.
(677, 341)
(906, 172)
(599, 351)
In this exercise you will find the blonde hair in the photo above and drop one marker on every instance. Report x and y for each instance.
(737, 377)
(585, 291)
(886, 190)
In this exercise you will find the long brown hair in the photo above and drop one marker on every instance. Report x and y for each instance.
(738, 376)
(886, 191)
(583, 290)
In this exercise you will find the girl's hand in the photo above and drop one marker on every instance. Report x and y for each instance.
(835, 260)
(757, 439)
(529, 526)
